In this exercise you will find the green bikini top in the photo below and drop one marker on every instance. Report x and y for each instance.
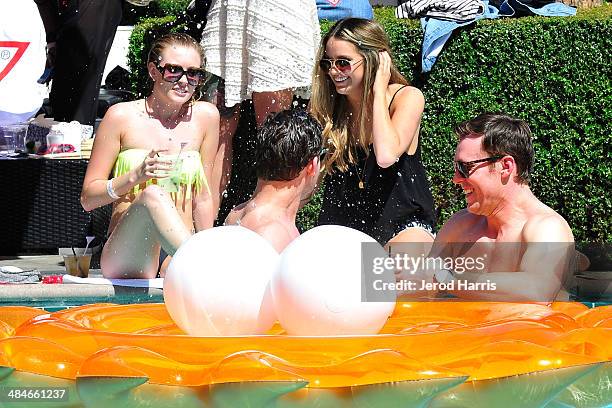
(189, 172)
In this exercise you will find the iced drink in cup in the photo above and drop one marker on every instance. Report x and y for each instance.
(76, 265)
(171, 183)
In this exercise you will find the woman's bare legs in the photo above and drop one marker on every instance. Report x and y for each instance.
(265, 103)
(270, 102)
(222, 168)
(151, 221)
(418, 239)
(415, 243)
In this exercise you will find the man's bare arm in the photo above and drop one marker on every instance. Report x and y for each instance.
(452, 231)
(545, 263)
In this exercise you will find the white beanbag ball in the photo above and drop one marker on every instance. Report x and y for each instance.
(317, 286)
(217, 283)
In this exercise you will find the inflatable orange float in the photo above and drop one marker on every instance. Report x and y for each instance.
(429, 354)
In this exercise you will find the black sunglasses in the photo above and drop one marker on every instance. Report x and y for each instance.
(173, 73)
(343, 65)
(465, 168)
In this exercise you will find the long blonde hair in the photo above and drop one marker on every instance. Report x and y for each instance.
(331, 108)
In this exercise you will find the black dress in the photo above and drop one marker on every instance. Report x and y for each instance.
(379, 202)
(392, 199)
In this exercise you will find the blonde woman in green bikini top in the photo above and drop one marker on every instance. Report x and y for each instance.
(160, 151)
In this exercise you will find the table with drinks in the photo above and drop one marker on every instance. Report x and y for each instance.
(41, 209)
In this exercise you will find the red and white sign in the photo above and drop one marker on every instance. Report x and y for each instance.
(22, 60)
(10, 54)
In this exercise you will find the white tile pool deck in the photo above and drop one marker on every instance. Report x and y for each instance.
(56, 296)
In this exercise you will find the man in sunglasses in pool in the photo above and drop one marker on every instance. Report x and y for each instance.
(288, 153)
(506, 245)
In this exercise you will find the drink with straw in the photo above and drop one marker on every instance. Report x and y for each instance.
(172, 182)
(77, 260)
(78, 264)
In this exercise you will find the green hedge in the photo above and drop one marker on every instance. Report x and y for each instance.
(141, 40)
(556, 73)
(157, 8)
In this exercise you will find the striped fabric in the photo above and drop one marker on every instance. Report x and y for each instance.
(450, 10)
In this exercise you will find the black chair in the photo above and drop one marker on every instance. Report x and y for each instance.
(110, 97)
(106, 99)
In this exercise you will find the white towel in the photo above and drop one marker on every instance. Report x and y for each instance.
(13, 274)
(134, 283)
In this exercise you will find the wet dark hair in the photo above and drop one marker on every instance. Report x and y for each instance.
(286, 142)
(505, 136)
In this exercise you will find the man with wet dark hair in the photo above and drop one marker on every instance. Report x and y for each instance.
(525, 247)
(287, 155)
(286, 143)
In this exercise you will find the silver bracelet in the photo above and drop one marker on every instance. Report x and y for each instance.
(110, 190)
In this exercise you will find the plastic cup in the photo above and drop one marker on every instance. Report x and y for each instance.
(7, 144)
(54, 139)
(13, 138)
(171, 183)
(77, 265)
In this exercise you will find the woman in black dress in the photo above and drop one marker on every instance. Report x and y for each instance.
(375, 180)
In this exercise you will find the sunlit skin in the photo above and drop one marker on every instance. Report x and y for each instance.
(272, 209)
(350, 84)
(160, 124)
(483, 177)
(502, 210)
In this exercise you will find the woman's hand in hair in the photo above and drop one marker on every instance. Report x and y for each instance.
(383, 74)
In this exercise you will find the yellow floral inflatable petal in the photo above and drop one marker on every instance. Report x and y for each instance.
(596, 317)
(572, 309)
(439, 354)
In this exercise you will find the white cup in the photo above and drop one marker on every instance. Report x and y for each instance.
(54, 138)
